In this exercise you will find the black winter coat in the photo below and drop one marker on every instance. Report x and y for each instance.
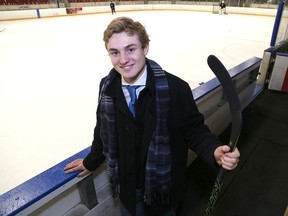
(186, 130)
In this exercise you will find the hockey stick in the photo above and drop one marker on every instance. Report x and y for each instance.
(2, 30)
(235, 109)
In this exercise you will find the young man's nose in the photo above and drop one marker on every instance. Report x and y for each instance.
(123, 58)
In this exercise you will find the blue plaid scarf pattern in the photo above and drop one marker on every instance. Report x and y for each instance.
(158, 163)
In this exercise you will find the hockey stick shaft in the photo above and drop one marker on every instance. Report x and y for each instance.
(236, 118)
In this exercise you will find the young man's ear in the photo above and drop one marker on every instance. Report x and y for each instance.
(146, 49)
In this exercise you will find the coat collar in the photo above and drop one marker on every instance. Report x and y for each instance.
(114, 90)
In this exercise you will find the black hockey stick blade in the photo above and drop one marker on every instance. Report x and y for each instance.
(232, 97)
(235, 109)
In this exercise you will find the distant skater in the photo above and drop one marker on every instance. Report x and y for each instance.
(222, 8)
(112, 6)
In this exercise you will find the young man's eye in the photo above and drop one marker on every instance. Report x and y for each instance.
(131, 50)
(113, 53)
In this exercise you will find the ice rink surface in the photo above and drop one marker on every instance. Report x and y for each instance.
(50, 71)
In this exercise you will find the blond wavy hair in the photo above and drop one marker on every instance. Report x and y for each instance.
(131, 27)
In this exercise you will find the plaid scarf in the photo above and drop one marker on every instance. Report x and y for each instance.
(158, 164)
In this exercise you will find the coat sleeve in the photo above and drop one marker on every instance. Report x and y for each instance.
(95, 157)
(197, 136)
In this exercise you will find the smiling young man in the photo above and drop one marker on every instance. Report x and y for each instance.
(146, 148)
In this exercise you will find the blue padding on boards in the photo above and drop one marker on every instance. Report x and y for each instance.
(38, 13)
(277, 23)
(212, 84)
(24, 195)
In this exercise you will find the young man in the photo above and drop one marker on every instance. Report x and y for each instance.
(146, 150)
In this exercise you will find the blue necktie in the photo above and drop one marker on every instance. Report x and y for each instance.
(132, 92)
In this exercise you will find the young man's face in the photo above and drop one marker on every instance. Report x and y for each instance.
(127, 55)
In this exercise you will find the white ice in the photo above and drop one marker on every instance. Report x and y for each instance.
(50, 71)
